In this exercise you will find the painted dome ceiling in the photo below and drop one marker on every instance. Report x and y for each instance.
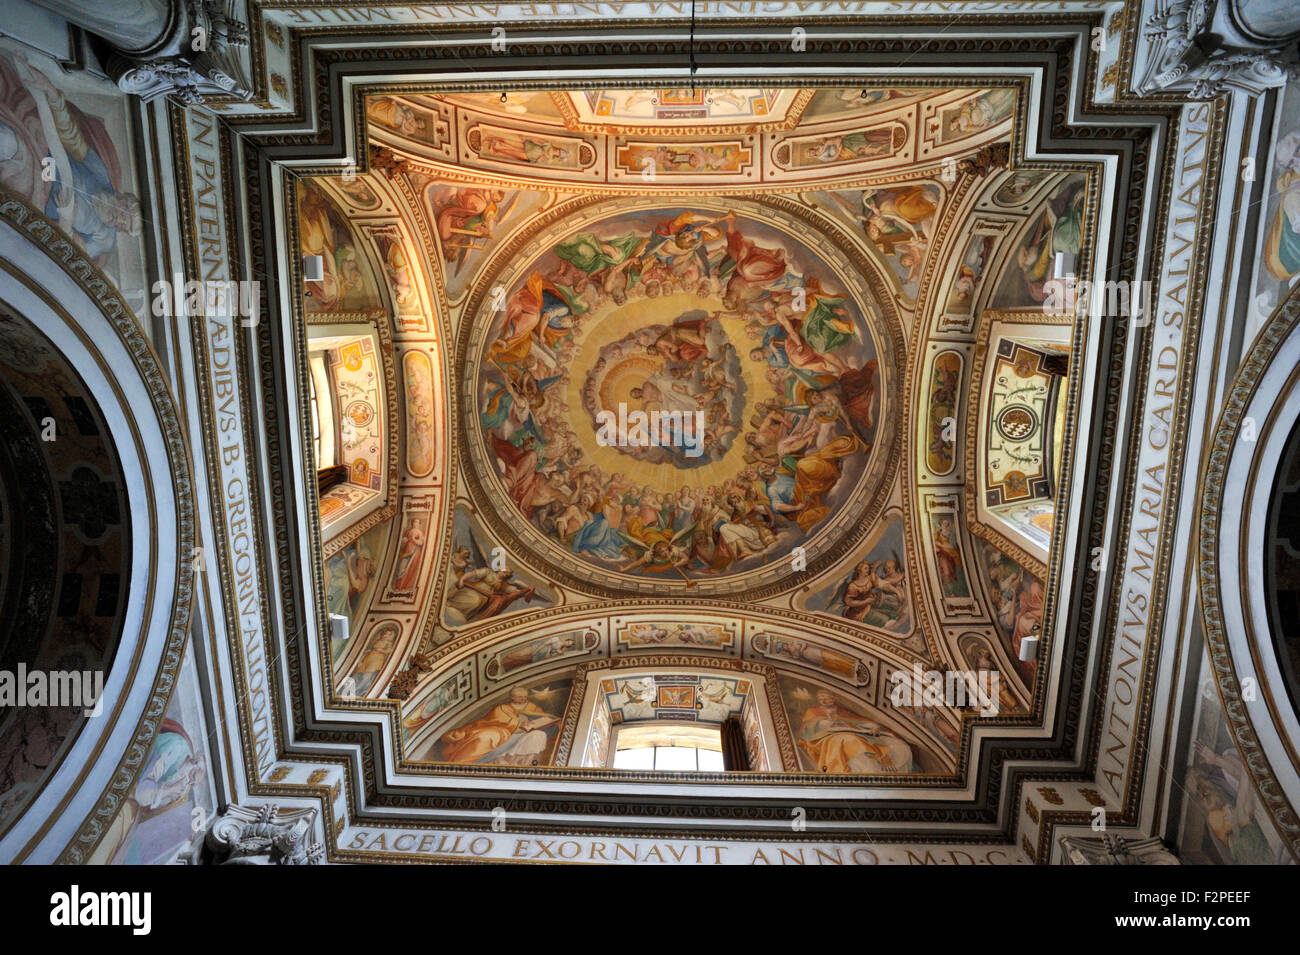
(629, 433)
(656, 372)
(773, 376)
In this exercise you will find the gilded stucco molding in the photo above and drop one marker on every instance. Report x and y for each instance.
(1226, 443)
(295, 676)
(72, 260)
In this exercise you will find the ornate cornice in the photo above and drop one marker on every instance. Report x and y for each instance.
(1111, 364)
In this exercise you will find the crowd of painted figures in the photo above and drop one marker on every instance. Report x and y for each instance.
(809, 347)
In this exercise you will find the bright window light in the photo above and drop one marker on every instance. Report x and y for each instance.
(669, 748)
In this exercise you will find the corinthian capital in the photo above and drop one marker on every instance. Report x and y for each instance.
(1202, 48)
(1115, 850)
(197, 59)
(262, 835)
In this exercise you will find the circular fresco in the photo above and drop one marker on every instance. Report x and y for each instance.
(683, 369)
(675, 394)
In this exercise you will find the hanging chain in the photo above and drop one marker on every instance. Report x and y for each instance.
(693, 66)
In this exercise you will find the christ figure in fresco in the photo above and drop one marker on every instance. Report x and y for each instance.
(682, 341)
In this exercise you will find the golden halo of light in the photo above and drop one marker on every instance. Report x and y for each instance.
(610, 324)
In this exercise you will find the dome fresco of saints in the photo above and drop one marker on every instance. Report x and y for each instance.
(678, 393)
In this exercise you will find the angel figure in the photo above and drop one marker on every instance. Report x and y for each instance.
(659, 550)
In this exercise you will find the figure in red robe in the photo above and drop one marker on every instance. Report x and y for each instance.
(682, 341)
(755, 269)
(521, 477)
